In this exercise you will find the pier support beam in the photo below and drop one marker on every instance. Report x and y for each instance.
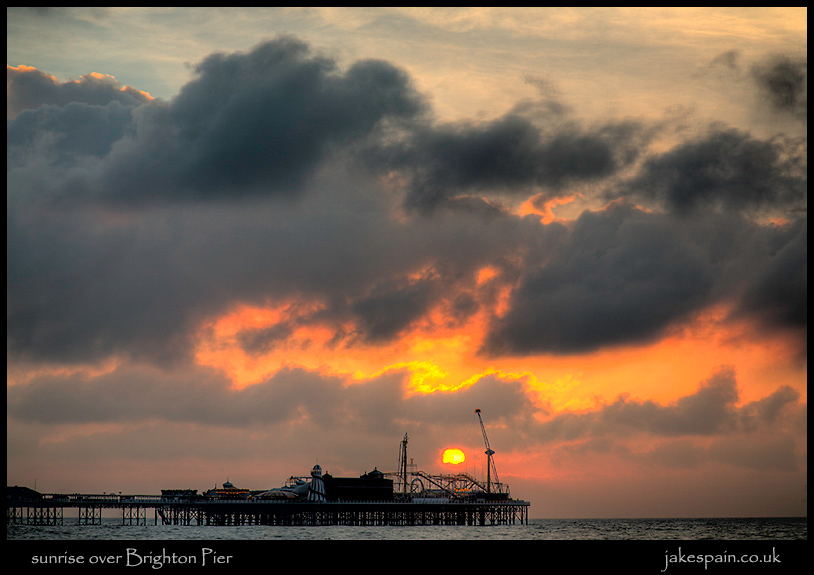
(34, 516)
(134, 515)
(91, 515)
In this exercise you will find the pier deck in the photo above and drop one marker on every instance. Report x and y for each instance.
(49, 510)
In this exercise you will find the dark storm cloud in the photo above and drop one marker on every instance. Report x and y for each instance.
(61, 135)
(389, 309)
(725, 169)
(621, 276)
(511, 153)
(780, 81)
(262, 121)
(778, 294)
(255, 123)
(784, 81)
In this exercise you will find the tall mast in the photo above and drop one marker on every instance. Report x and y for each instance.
(403, 464)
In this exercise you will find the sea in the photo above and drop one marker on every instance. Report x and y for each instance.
(794, 528)
(703, 545)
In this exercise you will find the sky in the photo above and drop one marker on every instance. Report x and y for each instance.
(242, 242)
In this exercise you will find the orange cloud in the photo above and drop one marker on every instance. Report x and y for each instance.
(251, 343)
(532, 206)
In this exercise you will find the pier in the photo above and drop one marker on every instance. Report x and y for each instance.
(48, 509)
(405, 497)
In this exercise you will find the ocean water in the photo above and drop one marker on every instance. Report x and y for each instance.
(765, 529)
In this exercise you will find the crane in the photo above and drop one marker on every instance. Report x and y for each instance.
(403, 464)
(490, 465)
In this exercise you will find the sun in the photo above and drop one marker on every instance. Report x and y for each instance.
(453, 456)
